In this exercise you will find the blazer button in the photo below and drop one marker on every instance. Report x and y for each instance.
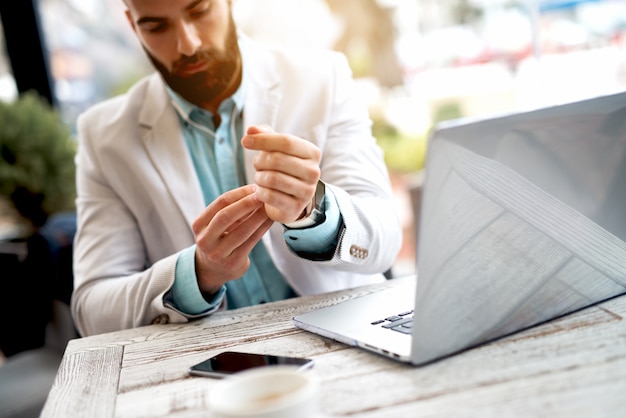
(358, 252)
(161, 319)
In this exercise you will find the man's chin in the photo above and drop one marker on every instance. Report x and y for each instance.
(195, 89)
(188, 82)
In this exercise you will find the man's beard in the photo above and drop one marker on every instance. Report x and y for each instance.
(203, 86)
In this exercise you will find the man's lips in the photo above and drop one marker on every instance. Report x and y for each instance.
(192, 68)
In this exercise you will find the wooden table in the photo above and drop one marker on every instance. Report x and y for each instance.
(574, 366)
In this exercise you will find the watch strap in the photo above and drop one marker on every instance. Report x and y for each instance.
(316, 216)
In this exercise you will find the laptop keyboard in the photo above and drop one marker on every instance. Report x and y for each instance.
(402, 322)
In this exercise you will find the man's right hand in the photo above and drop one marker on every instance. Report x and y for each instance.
(225, 233)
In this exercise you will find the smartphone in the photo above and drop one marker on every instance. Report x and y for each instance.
(229, 362)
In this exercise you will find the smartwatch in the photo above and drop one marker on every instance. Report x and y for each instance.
(316, 215)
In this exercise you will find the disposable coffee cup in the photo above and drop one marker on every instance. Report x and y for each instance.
(266, 392)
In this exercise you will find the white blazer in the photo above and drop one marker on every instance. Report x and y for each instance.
(138, 193)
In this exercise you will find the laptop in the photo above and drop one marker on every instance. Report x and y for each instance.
(522, 220)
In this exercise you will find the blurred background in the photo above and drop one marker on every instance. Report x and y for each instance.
(417, 62)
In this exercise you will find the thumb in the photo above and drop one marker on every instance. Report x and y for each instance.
(259, 129)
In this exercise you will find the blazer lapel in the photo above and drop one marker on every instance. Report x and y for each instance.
(167, 151)
(262, 95)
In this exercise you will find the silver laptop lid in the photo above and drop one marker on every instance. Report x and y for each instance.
(523, 219)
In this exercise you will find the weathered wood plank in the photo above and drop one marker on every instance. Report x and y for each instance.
(86, 384)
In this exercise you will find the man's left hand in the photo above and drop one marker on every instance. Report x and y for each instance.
(287, 172)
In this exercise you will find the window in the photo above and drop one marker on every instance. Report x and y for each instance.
(8, 89)
(93, 53)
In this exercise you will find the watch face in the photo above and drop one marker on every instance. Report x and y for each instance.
(318, 199)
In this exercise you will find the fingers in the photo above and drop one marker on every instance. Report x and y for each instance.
(222, 252)
(281, 178)
(287, 193)
(263, 138)
(304, 169)
(287, 171)
(252, 236)
(240, 202)
(256, 129)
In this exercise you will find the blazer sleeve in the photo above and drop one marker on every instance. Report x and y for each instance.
(121, 272)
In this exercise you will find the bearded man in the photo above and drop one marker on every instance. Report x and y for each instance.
(236, 174)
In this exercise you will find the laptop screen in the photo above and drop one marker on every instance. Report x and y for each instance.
(523, 219)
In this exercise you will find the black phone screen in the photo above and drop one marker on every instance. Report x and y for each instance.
(230, 362)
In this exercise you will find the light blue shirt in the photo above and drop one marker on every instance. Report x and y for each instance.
(262, 282)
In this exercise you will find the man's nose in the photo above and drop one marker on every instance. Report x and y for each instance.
(188, 39)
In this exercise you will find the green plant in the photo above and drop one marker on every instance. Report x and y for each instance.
(37, 158)
(447, 111)
(403, 153)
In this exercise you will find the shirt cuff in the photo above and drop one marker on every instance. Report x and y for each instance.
(185, 294)
(318, 239)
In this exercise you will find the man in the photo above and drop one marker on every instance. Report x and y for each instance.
(236, 175)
